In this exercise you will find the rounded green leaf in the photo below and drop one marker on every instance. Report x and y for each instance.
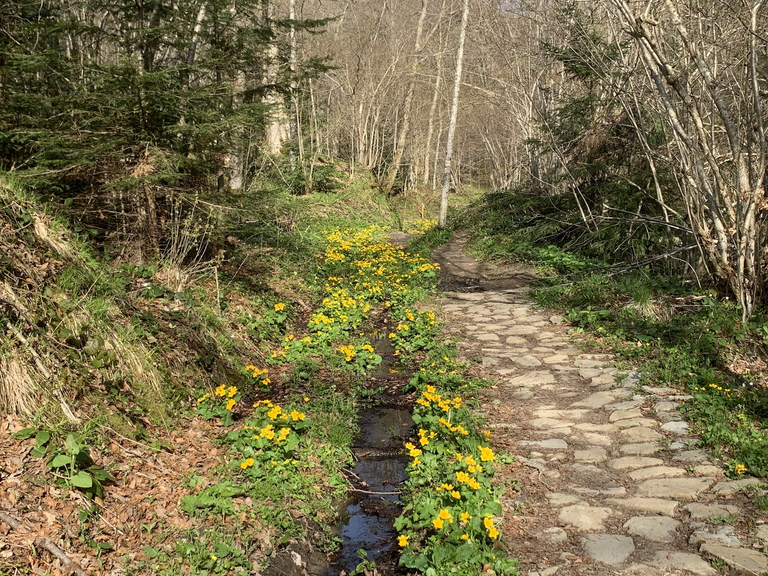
(82, 480)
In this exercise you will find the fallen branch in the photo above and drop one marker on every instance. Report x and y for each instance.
(46, 544)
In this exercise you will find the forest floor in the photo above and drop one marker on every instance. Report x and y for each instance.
(610, 481)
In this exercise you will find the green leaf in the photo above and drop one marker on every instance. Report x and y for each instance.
(72, 444)
(82, 480)
(38, 452)
(42, 438)
(24, 434)
(60, 460)
(150, 552)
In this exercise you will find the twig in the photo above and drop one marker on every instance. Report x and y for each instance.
(43, 542)
(375, 493)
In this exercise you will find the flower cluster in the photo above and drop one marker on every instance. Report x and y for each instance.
(258, 374)
(221, 404)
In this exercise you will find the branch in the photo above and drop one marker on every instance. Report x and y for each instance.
(43, 542)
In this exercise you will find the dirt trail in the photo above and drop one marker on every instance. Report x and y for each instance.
(610, 479)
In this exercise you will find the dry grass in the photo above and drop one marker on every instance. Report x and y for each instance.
(17, 387)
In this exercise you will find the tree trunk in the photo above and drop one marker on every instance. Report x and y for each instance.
(452, 123)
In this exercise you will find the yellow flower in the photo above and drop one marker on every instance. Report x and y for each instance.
(246, 463)
(295, 415)
(402, 541)
(465, 536)
(231, 391)
(493, 533)
(415, 452)
(220, 390)
(444, 514)
(456, 494)
(438, 523)
(231, 404)
(473, 483)
(740, 469)
(488, 522)
(486, 454)
(274, 413)
(464, 517)
(279, 306)
(203, 398)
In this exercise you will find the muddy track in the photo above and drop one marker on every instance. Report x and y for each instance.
(609, 478)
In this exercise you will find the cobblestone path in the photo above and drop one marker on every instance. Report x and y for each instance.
(610, 479)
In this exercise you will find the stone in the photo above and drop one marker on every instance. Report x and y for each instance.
(691, 456)
(598, 428)
(527, 361)
(556, 319)
(605, 380)
(489, 337)
(556, 535)
(523, 394)
(641, 449)
(626, 405)
(664, 406)
(660, 390)
(682, 488)
(640, 570)
(611, 549)
(678, 427)
(742, 560)
(549, 444)
(668, 417)
(522, 330)
(635, 462)
(589, 373)
(616, 491)
(562, 499)
(596, 439)
(530, 379)
(683, 561)
(516, 340)
(735, 486)
(762, 532)
(655, 528)
(707, 470)
(548, 412)
(591, 454)
(650, 505)
(640, 434)
(596, 400)
(700, 511)
(556, 359)
(725, 535)
(656, 472)
(550, 423)
(634, 422)
(584, 517)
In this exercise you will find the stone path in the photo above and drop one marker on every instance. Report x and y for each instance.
(611, 481)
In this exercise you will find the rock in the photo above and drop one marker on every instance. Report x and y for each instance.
(617, 491)
(523, 394)
(489, 337)
(584, 517)
(597, 400)
(625, 414)
(611, 549)
(527, 361)
(589, 373)
(516, 340)
(556, 319)
(762, 532)
(556, 359)
(735, 486)
(549, 444)
(707, 470)
(522, 330)
(665, 406)
(725, 535)
(656, 472)
(742, 560)
(682, 488)
(556, 535)
(626, 405)
(599, 439)
(531, 379)
(561, 499)
(676, 427)
(700, 511)
(640, 570)
(691, 456)
(633, 422)
(661, 391)
(642, 449)
(683, 561)
(640, 434)
(550, 423)
(655, 528)
(598, 428)
(634, 462)
(591, 454)
(650, 505)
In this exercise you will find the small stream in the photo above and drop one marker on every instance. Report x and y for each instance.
(378, 473)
